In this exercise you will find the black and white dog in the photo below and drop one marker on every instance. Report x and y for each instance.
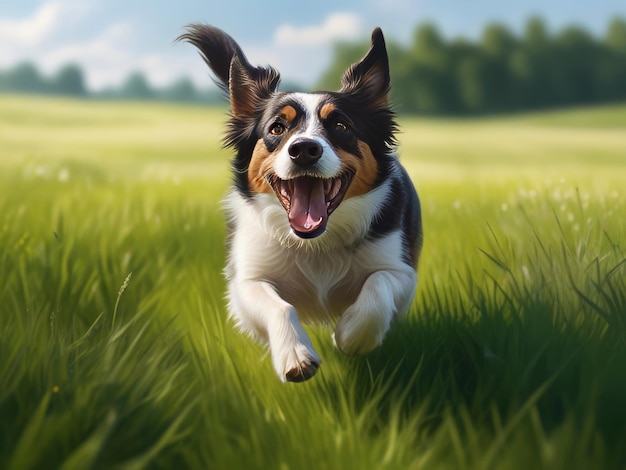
(324, 222)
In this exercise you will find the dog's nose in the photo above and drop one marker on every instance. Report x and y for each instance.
(304, 151)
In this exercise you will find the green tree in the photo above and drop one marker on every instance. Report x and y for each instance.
(502, 72)
(466, 68)
(182, 89)
(137, 87)
(25, 77)
(498, 46)
(427, 81)
(531, 66)
(616, 35)
(69, 80)
(612, 72)
(574, 59)
(470, 79)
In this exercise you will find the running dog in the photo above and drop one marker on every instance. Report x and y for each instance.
(324, 222)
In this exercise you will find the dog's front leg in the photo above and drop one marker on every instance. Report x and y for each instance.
(384, 294)
(257, 306)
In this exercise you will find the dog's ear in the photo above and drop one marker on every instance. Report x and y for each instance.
(249, 86)
(370, 76)
(246, 85)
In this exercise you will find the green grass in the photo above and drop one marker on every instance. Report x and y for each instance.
(512, 356)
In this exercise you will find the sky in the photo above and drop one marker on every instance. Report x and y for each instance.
(111, 38)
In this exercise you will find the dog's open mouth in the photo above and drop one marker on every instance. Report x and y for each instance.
(309, 201)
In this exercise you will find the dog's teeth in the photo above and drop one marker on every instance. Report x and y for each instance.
(328, 185)
(336, 188)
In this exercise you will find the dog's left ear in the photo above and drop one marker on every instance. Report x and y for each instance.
(370, 76)
(249, 86)
(246, 85)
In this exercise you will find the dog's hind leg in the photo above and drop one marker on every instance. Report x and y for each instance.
(258, 308)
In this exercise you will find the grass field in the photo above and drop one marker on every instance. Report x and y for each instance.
(115, 351)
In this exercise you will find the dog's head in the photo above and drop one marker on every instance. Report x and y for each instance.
(312, 150)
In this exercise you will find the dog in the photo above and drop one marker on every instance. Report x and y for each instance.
(324, 224)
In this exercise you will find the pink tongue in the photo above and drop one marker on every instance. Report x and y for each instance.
(308, 204)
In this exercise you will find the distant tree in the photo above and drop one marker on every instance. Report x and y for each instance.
(612, 74)
(400, 63)
(532, 64)
(470, 81)
(434, 90)
(137, 87)
(291, 86)
(498, 45)
(502, 72)
(25, 77)
(616, 35)
(428, 43)
(69, 80)
(574, 59)
(182, 89)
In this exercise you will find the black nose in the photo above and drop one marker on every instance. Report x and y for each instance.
(304, 151)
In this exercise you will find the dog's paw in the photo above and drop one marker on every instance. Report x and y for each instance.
(302, 372)
(297, 365)
(360, 332)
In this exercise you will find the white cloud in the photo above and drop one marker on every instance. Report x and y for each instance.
(108, 58)
(302, 53)
(338, 26)
(105, 57)
(34, 29)
(32, 37)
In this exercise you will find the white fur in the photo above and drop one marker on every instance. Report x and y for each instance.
(275, 278)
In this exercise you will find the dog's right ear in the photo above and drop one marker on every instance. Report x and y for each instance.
(247, 86)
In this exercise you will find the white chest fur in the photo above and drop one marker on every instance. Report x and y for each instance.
(319, 277)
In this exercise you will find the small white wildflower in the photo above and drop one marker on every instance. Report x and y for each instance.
(525, 271)
(64, 175)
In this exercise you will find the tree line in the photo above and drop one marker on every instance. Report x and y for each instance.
(500, 72)
(69, 80)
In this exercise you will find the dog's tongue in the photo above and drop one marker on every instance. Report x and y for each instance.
(308, 210)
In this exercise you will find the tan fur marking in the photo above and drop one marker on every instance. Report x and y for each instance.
(326, 110)
(366, 170)
(289, 113)
(260, 166)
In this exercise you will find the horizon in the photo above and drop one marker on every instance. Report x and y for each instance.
(109, 41)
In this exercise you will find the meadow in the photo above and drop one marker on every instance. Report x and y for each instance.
(115, 349)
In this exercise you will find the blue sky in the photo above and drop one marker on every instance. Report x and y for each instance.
(111, 38)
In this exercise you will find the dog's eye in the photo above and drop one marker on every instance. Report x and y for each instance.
(277, 128)
(340, 127)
